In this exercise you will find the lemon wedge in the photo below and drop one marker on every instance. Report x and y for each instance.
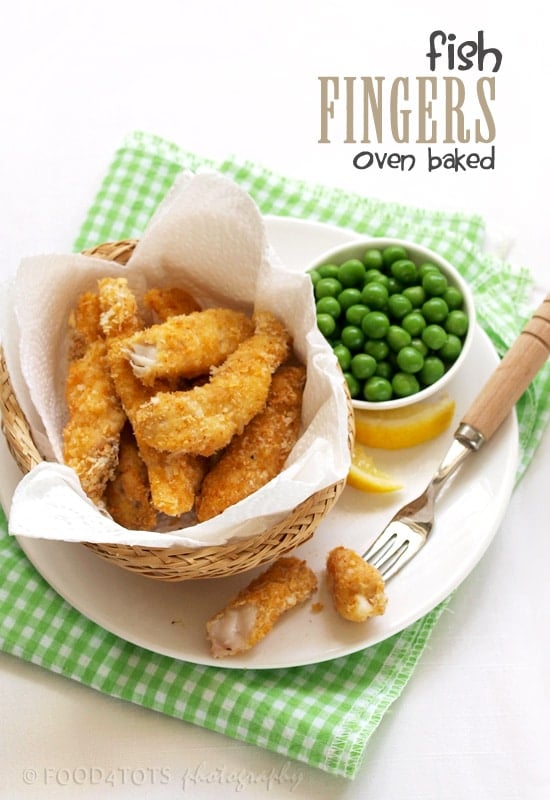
(404, 427)
(365, 475)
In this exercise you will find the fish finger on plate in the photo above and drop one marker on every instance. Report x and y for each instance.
(187, 345)
(356, 587)
(165, 302)
(259, 453)
(204, 419)
(251, 615)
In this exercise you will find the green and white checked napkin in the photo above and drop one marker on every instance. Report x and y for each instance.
(322, 715)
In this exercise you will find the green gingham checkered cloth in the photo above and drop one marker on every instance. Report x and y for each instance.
(322, 715)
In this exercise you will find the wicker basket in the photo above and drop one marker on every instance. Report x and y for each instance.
(177, 563)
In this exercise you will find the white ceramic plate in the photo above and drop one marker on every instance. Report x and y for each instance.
(170, 618)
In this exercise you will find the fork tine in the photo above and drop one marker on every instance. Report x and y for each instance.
(393, 548)
(380, 547)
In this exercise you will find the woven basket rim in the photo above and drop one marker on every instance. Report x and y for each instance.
(178, 563)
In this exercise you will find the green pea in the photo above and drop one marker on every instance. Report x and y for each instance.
(327, 287)
(377, 348)
(399, 305)
(434, 336)
(451, 349)
(328, 305)
(410, 360)
(351, 272)
(375, 324)
(375, 295)
(404, 384)
(328, 270)
(394, 286)
(353, 337)
(314, 275)
(354, 314)
(432, 371)
(393, 252)
(405, 271)
(353, 384)
(457, 323)
(415, 294)
(384, 370)
(435, 310)
(397, 337)
(343, 355)
(375, 275)
(326, 324)
(434, 283)
(349, 297)
(453, 297)
(362, 366)
(427, 267)
(414, 323)
(373, 259)
(377, 389)
(420, 346)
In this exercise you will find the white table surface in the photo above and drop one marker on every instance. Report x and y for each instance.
(241, 78)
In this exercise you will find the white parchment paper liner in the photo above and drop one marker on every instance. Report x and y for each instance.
(207, 236)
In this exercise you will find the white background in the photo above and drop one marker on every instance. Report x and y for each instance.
(241, 78)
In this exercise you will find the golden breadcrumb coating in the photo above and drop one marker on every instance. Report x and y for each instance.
(119, 310)
(130, 389)
(119, 319)
(96, 417)
(204, 419)
(357, 588)
(84, 327)
(169, 302)
(187, 345)
(250, 616)
(136, 475)
(128, 495)
(174, 480)
(259, 453)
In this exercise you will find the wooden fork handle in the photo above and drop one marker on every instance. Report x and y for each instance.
(513, 375)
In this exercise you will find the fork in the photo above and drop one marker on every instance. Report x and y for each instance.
(408, 531)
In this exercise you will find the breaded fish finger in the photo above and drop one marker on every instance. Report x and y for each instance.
(96, 417)
(259, 453)
(174, 479)
(167, 302)
(357, 588)
(204, 419)
(250, 616)
(84, 327)
(119, 310)
(187, 345)
(128, 495)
